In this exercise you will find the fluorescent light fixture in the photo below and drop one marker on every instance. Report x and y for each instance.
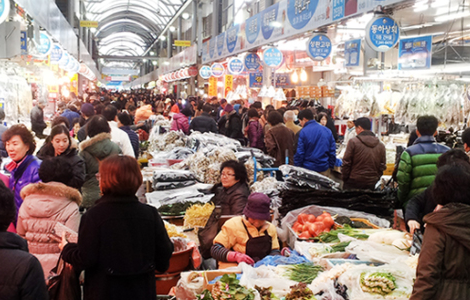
(295, 77)
(144, 60)
(185, 15)
(454, 16)
(152, 53)
(162, 37)
(303, 75)
(172, 28)
(154, 62)
(93, 30)
(276, 24)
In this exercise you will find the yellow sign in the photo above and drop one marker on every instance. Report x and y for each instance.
(91, 24)
(53, 89)
(179, 43)
(212, 87)
(228, 84)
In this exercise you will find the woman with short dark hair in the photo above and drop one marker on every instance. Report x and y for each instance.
(279, 139)
(443, 266)
(254, 130)
(93, 150)
(232, 192)
(20, 146)
(122, 242)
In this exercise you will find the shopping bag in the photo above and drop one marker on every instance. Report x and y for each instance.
(63, 282)
(417, 242)
(207, 234)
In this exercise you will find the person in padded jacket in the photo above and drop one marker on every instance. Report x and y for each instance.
(204, 123)
(364, 160)
(21, 276)
(121, 242)
(45, 204)
(180, 121)
(443, 270)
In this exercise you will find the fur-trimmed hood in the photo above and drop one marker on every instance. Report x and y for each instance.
(97, 138)
(54, 189)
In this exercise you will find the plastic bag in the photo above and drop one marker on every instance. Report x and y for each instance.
(417, 242)
(170, 175)
(161, 186)
(375, 252)
(304, 177)
(266, 276)
(189, 286)
(275, 260)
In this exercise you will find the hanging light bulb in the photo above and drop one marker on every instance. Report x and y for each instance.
(295, 77)
(303, 75)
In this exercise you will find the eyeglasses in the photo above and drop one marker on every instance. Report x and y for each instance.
(226, 175)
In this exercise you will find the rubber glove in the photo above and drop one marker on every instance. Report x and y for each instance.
(238, 257)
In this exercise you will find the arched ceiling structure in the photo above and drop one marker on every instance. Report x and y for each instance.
(129, 27)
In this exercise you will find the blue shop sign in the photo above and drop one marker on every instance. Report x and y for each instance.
(282, 80)
(382, 34)
(220, 43)
(415, 53)
(338, 9)
(217, 70)
(235, 66)
(212, 47)
(24, 42)
(4, 10)
(300, 12)
(205, 72)
(232, 37)
(256, 80)
(252, 62)
(319, 47)
(269, 16)
(273, 57)
(252, 28)
(45, 45)
(56, 54)
(352, 53)
(64, 61)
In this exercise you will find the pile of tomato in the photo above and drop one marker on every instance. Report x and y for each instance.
(308, 226)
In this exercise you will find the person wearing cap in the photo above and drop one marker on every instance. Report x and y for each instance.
(37, 119)
(204, 123)
(220, 109)
(248, 238)
(364, 160)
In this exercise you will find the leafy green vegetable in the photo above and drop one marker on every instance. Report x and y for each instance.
(305, 272)
(332, 236)
(266, 293)
(228, 287)
(378, 283)
(340, 247)
(300, 292)
(206, 295)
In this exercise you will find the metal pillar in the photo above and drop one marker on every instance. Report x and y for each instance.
(169, 43)
(180, 29)
(71, 12)
(215, 17)
(194, 20)
(199, 28)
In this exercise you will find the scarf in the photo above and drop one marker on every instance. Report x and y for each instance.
(13, 164)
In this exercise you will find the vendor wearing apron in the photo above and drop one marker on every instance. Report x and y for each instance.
(247, 238)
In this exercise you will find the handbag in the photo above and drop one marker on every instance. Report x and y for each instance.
(417, 242)
(63, 282)
(207, 234)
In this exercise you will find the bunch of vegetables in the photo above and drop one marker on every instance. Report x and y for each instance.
(308, 226)
(300, 292)
(228, 287)
(266, 293)
(378, 283)
(332, 236)
(305, 272)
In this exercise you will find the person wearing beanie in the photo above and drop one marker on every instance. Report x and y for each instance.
(234, 124)
(248, 238)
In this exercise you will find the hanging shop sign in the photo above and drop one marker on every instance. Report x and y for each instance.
(285, 19)
(64, 60)
(24, 42)
(217, 70)
(282, 80)
(352, 53)
(56, 53)
(192, 71)
(212, 87)
(89, 24)
(252, 62)
(220, 43)
(256, 80)
(205, 72)
(382, 33)
(415, 53)
(4, 10)
(45, 45)
(179, 43)
(228, 84)
(273, 57)
(232, 38)
(319, 47)
(235, 66)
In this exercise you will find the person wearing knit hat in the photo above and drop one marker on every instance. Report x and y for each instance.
(228, 108)
(88, 110)
(248, 238)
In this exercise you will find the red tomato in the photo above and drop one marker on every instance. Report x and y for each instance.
(326, 214)
(305, 235)
(312, 228)
(297, 227)
(311, 218)
(305, 227)
(320, 218)
(328, 221)
(302, 218)
(326, 230)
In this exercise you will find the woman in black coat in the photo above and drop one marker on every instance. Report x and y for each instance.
(121, 242)
(60, 144)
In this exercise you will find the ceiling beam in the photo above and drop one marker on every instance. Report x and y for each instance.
(133, 58)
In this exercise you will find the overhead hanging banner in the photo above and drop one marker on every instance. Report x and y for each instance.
(212, 87)
(382, 33)
(252, 62)
(205, 72)
(24, 42)
(319, 47)
(256, 80)
(415, 53)
(235, 66)
(352, 53)
(45, 45)
(217, 70)
(283, 20)
(228, 84)
(56, 53)
(273, 57)
(4, 10)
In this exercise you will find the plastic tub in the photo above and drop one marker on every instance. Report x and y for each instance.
(166, 281)
(174, 161)
(179, 261)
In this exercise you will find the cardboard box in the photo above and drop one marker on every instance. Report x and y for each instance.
(211, 275)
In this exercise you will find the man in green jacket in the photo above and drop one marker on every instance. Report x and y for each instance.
(417, 167)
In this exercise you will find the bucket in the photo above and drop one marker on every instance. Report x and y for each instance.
(166, 281)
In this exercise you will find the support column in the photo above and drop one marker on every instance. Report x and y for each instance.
(71, 12)
(169, 43)
(267, 79)
(194, 21)
(215, 17)
(180, 29)
(199, 28)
